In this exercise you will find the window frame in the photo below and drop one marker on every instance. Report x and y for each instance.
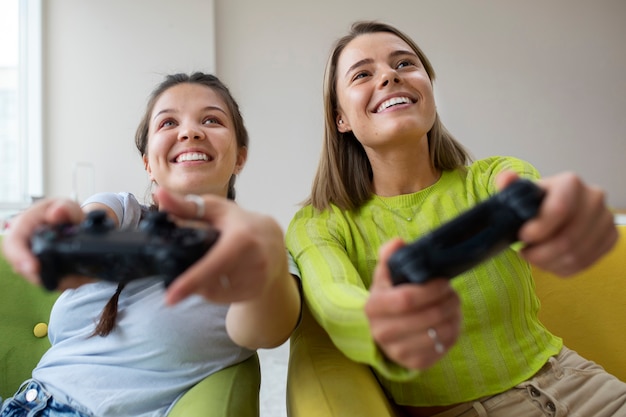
(30, 106)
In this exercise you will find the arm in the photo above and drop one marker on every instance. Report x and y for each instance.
(247, 268)
(267, 320)
(382, 326)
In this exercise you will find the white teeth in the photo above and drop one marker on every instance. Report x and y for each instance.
(392, 102)
(192, 156)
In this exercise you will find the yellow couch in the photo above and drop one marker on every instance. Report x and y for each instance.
(24, 313)
(588, 311)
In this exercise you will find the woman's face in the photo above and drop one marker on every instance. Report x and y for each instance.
(383, 91)
(192, 146)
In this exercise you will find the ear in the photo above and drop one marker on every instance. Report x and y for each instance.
(342, 124)
(146, 166)
(242, 157)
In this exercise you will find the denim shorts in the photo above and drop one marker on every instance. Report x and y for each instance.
(32, 400)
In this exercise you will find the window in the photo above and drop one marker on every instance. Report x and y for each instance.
(21, 161)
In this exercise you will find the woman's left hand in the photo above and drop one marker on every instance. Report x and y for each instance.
(574, 227)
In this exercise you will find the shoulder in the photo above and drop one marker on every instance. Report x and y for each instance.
(113, 199)
(482, 173)
(309, 224)
(309, 214)
(125, 205)
(496, 164)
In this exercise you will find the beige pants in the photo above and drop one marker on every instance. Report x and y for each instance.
(568, 385)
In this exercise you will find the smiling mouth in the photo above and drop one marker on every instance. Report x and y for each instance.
(393, 102)
(192, 156)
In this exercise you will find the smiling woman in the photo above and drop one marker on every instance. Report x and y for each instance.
(390, 172)
(192, 137)
(240, 296)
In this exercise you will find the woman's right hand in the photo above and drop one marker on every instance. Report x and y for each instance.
(414, 325)
(16, 243)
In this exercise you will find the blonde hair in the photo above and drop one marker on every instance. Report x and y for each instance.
(344, 174)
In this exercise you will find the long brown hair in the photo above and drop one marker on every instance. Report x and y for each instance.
(109, 313)
(344, 174)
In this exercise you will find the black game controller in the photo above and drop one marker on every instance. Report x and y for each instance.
(96, 248)
(469, 239)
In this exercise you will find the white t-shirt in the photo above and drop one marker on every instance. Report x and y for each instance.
(154, 354)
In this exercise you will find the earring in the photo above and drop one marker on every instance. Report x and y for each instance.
(340, 121)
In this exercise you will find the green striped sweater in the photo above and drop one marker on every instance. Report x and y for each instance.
(502, 342)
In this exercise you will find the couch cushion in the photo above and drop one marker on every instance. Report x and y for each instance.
(24, 312)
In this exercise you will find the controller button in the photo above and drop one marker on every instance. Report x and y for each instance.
(157, 223)
(97, 221)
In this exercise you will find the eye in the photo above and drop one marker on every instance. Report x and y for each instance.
(167, 123)
(405, 63)
(360, 75)
(211, 120)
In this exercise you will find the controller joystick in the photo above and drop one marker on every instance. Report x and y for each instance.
(97, 222)
(96, 248)
(156, 222)
(469, 239)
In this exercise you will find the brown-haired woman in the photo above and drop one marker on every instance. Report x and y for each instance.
(150, 346)
(390, 172)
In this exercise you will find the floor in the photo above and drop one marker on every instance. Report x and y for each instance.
(273, 381)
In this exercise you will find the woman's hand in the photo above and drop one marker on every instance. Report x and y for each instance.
(414, 325)
(574, 227)
(246, 266)
(16, 243)
(249, 245)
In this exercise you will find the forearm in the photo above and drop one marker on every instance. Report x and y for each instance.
(267, 320)
(335, 291)
(339, 309)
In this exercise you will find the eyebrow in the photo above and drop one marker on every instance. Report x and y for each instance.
(365, 61)
(207, 108)
(358, 64)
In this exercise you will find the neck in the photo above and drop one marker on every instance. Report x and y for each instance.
(403, 171)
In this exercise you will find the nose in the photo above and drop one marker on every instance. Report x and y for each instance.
(190, 132)
(390, 77)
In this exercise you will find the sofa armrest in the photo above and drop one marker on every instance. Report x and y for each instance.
(24, 313)
(322, 381)
(233, 391)
(588, 310)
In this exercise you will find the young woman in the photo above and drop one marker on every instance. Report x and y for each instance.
(389, 173)
(239, 297)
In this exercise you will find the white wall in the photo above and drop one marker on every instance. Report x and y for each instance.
(101, 61)
(540, 80)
